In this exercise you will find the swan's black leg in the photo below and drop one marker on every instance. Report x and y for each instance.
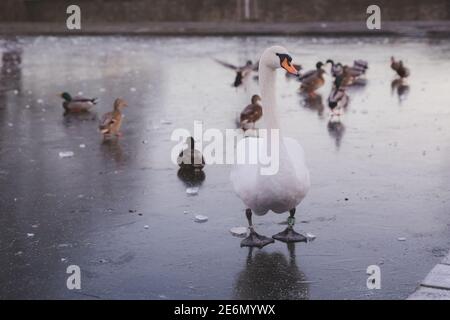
(289, 235)
(254, 239)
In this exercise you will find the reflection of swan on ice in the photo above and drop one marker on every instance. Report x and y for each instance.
(271, 276)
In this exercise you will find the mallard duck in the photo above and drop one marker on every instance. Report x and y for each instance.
(336, 68)
(337, 99)
(241, 72)
(361, 65)
(397, 66)
(283, 188)
(251, 113)
(312, 80)
(111, 122)
(191, 158)
(349, 75)
(77, 104)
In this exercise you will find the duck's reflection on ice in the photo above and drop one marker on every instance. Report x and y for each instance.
(314, 103)
(271, 276)
(401, 87)
(191, 177)
(69, 118)
(336, 130)
(11, 70)
(112, 150)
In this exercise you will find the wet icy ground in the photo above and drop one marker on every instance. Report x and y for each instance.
(120, 212)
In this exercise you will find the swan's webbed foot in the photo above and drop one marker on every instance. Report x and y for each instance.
(256, 240)
(289, 235)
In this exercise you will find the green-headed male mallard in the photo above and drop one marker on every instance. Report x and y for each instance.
(77, 104)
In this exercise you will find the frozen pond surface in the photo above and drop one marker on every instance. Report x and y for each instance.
(120, 212)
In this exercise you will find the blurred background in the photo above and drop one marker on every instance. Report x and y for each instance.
(222, 10)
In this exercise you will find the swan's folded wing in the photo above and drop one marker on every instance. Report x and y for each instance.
(279, 192)
(297, 158)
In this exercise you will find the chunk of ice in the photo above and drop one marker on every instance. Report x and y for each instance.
(192, 190)
(240, 232)
(310, 236)
(200, 218)
(66, 154)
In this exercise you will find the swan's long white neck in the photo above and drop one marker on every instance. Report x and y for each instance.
(267, 85)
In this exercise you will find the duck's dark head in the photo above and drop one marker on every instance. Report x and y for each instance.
(190, 143)
(330, 61)
(255, 99)
(120, 103)
(66, 96)
(319, 65)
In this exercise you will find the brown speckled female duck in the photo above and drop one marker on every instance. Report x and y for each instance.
(112, 121)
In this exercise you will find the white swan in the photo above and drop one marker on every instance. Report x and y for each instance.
(284, 190)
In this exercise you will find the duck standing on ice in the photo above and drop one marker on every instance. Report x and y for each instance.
(284, 190)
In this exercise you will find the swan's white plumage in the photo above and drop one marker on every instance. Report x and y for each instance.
(285, 189)
(280, 192)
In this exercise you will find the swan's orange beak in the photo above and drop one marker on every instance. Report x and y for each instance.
(289, 67)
